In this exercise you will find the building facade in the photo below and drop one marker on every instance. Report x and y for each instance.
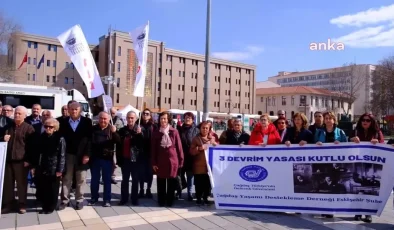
(353, 79)
(174, 80)
(303, 99)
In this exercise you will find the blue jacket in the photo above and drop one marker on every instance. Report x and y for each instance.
(339, 135)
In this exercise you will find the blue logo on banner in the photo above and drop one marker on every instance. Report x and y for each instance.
(253, 173)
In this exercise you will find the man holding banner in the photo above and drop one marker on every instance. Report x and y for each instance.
(78, 130)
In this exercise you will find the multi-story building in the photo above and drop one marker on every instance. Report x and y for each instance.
(352, 79)
(56, 70)
(300, 99)
(174, 80)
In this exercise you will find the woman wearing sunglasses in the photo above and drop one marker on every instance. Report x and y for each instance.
(51, 165)
(367, 130)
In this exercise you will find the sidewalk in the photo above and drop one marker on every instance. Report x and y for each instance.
(184, 215)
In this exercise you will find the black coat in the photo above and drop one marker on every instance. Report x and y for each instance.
(304, 135)
(147, 129)
(51, 154)
(78, 142)
(136, 145)
(187, 134)
(233, 140)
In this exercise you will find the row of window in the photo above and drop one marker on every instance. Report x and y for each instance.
(50, 47)
(34, 62)
(33, 77)
(195, 62)
(315, 77)
(314, 101)
(180, 101)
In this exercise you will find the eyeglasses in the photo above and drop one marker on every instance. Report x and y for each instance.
(7, 110)
(48, 126)
(281, 123)
(146, 114)
(366, 120)
(281, 114)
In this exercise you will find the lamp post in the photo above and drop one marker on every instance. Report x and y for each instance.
(207, 62)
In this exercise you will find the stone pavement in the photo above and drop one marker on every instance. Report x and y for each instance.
(184, 215)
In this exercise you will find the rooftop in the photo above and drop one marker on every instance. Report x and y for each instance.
(317, 71)
(294, 90)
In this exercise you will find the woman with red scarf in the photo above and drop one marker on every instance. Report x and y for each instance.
(264, 133)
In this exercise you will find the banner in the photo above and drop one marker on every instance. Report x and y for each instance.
(346, 178)
(107, 102)
(140, 43)
(3, 155)
(77, 48)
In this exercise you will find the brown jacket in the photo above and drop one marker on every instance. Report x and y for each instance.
(199, 161)
(20, 142)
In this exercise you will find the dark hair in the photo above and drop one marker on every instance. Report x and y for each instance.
(282, 118)
(317, 112)
(169, 116)
(373, 128)
(188, 114)
(151, 117)
(72, 101)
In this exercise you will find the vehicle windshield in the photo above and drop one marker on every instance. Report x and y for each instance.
(85, 106)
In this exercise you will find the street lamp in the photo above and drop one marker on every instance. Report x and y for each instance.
(207, 62)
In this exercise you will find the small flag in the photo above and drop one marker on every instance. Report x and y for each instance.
(41, 61)
(23, 61)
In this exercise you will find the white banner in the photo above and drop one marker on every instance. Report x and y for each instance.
(346, 178)
(140, 42)
(77, 48)
(107, 102)
(3, 156)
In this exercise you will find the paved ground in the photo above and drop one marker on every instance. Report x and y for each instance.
(184, 215)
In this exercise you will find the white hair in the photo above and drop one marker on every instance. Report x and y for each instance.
(132, 112)
(22, 108)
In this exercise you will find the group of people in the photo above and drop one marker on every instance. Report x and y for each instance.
(60, 151)
(324, 130)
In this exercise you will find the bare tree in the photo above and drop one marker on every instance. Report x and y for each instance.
(347, 82)
(7, 28)
(382, 86)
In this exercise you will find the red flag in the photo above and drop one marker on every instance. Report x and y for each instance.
(23, 61)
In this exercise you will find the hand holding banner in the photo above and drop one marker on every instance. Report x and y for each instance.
(77, 48)
(342, 178)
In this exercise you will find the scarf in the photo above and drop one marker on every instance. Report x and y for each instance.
(165, 139)
(237, 135)
(205, 140)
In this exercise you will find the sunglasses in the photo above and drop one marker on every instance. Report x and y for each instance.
(146, 114)
(48, 126)
(366, 120)
(280, 114)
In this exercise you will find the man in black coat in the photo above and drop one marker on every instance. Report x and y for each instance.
(77, 131)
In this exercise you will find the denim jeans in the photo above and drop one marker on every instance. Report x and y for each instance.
(189, 179)
(97, 167)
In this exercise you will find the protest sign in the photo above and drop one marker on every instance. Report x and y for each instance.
(346, 178)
